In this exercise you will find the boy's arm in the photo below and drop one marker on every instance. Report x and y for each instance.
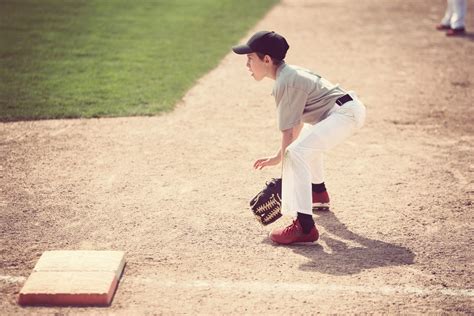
(287, 137)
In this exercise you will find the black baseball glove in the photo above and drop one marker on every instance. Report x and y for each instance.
(266, 205)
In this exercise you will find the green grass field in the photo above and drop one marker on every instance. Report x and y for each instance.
(78, 58)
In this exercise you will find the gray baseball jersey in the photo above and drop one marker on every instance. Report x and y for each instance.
(302, 96)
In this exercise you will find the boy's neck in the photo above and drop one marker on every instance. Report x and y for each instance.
(272, 74)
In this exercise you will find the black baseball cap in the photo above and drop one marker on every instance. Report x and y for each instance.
(268, 43)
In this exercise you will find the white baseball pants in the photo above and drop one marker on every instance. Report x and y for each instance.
(455, 13)
(303, 159)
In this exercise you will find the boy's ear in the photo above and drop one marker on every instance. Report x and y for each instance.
(267, 59)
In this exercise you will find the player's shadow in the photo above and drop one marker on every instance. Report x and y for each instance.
(468, 36)
(346, 253)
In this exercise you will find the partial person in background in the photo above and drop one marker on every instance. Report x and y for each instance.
(453, 20)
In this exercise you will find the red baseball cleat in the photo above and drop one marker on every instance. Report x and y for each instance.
(293, 233)
(320, 201)
(456, 32)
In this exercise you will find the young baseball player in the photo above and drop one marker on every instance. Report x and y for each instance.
(313, 116)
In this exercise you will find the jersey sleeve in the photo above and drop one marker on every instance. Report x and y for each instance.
(290, 102)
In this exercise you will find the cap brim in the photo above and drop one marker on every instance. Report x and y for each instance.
(242, 49)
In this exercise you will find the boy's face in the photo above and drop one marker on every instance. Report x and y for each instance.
(259, 68)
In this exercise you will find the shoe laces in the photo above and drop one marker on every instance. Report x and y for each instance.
(291, 228)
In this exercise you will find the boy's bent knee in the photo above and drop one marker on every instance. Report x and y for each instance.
(294, 153)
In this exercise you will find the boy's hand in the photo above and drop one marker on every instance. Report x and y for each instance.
(265, 162)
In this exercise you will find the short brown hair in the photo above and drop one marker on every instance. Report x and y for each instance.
(276, 62)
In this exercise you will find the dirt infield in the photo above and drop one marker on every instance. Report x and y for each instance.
(172, 191)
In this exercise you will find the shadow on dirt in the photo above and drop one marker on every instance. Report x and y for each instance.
(469, 36)
(349, 253)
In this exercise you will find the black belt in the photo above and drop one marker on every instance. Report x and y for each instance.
(345, 98)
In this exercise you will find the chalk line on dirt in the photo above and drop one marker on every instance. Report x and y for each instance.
(275, 287)
(268, 287)
(12, 279)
